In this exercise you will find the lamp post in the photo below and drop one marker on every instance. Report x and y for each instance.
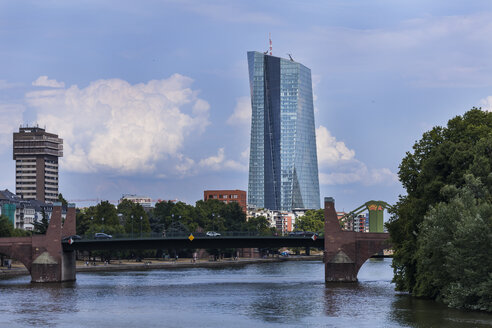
(141, 219)
(172, 223)
(213, 221)
(132, 225)
(179, 220)
(102, 223)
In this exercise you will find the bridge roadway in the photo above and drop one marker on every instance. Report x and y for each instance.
(49, 258)
(197, 242)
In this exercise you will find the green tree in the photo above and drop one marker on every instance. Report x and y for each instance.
(62, 200)
(41, 226)
(6, 227)
(258, 225)
(442, 157)
(313, 220)
(453, 248)
(135, 218)
(99, 218)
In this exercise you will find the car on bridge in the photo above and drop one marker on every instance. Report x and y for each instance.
(212, 234)
(309, 234)
(102, 235)
(73, 237)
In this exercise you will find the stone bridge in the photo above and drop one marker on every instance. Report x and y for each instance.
(43, 255)
(50, 260)
(346, 251)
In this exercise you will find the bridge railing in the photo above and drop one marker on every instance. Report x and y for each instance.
(183, 234)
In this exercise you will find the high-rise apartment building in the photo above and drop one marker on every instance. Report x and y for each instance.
(36, 155)
(283, 165)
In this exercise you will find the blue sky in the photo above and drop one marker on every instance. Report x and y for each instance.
(152, 97)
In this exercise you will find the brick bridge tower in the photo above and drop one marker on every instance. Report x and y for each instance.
(346, 251)
(43, 255)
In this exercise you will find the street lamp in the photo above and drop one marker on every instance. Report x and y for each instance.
(172, 224)
(102, 223)
(132, 226)
(141, 219)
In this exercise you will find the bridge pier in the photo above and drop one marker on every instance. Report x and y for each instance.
(43, 255)
(346, 251)
(68, 266)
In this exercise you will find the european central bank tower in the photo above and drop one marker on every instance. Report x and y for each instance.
(283, 166)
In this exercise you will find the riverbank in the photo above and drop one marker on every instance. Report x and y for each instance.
(152, 264)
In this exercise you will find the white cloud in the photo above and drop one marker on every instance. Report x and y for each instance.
(113, 125)
(331, 151)
(4, 84)
(219, 162)
(355, 171)
(432, 51)
(245, 154)
(185, 166)
(230, 12)
(43, 81)
(242, 112)
(334, 156)
(486, 104)
(11, 115)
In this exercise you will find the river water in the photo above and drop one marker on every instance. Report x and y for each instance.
(287, 294)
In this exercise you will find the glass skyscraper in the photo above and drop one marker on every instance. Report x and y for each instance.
(283, 165)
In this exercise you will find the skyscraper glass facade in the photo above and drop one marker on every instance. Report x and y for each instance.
(283, 165)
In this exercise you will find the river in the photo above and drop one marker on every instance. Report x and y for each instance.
(287, 294)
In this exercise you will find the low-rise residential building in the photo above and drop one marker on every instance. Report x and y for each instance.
(145, 201)
(361, 223)
(23, 213)
(227, 196)
(348, 223)
(283, 221)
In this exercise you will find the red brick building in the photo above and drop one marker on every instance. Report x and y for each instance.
(227, 196)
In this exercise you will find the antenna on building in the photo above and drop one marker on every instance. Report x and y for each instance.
(270, 39)
(290, 56)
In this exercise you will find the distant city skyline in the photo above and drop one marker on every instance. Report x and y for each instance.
(153, 98)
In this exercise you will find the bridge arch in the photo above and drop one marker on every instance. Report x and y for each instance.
(373, 270)
(346, 251)
(43, 255)
(17, 248)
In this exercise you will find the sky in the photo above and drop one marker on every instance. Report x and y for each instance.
(152, 97)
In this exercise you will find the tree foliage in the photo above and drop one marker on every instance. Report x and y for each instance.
(62, 200)
(204, 216)
(258, 225)
(6, 227)
(40, 227)
(440, 161)
(134, 217)
(313, 220)
(100, 218)
(454, 246)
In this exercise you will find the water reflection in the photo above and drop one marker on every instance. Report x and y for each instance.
(39, 304)
(290, 294)
(407, 310)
